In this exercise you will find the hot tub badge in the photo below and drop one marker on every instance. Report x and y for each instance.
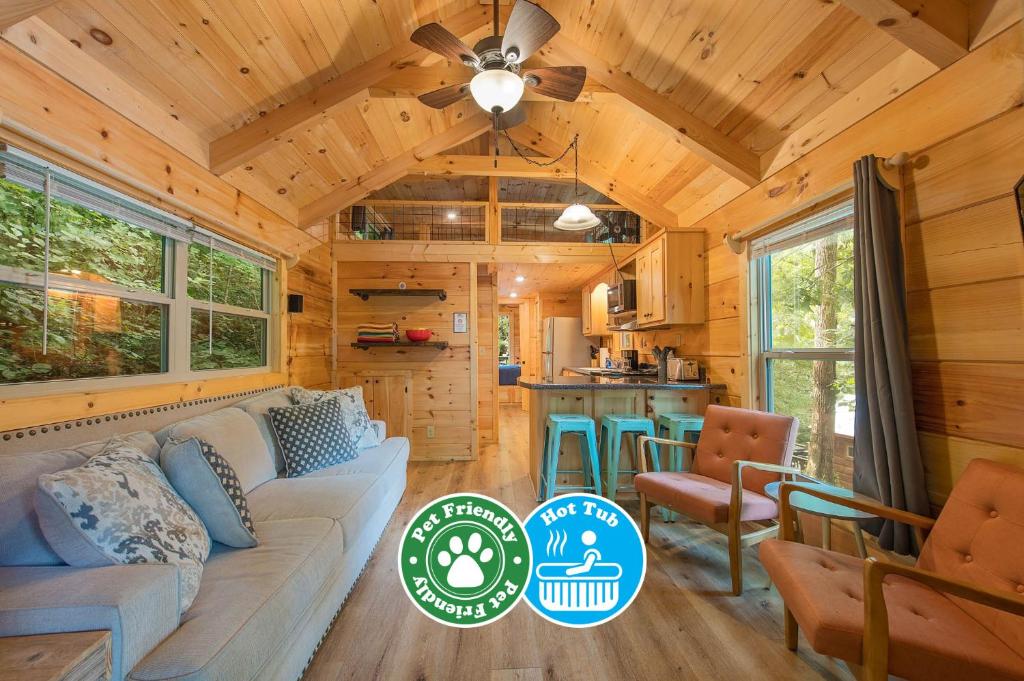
(590, 560)
(464, 560)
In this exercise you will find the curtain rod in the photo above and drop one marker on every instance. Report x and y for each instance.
(737, 242)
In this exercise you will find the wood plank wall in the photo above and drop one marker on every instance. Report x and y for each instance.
(965, 260)
(310, 332)
(965, 283)
(441, 378)
(487, 355)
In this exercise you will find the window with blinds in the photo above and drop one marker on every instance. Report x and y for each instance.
(97, 285)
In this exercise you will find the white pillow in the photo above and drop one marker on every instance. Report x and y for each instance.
(353, 411)
(118, 508)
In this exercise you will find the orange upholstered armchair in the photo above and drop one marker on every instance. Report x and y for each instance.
(739, 452)
(958, 614)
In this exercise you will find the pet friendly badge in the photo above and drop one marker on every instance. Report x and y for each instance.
(589, 560)
(464, 560)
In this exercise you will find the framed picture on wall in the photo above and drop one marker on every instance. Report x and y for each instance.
(1018, 193)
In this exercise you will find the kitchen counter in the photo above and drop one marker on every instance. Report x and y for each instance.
(597, 396)
(615, 383)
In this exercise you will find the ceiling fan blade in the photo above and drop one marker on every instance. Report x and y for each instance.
(437, 38)
(560, 82)
(529, 27)
(441, 98)
(510, 119)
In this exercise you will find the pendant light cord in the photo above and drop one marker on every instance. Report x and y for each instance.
(574, 144)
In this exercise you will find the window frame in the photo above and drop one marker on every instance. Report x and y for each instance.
(759, 289)
(176, 303)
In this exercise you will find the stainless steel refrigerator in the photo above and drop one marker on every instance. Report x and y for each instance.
(564, 346)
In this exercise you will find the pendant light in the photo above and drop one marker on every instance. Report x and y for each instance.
(576, 217)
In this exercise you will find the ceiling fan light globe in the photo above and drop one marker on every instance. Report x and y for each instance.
(496, 89)
(577, 218)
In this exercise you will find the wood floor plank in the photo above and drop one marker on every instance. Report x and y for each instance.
(682, 625)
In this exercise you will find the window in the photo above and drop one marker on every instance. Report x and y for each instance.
(504, 339)
(802, 282)
(94, 284)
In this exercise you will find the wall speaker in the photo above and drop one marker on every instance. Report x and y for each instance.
(295, 302)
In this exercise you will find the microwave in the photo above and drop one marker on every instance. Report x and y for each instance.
(622, 297)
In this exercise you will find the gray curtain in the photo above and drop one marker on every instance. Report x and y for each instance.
(886, 462)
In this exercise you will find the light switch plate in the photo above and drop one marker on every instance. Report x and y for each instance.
(430, 432)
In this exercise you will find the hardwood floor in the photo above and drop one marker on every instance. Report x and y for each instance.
(683, 625)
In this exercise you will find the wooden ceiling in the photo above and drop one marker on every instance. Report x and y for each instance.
(539, 278)
(307, 105)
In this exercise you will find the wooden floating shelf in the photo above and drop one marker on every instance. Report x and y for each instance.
(365, 293)
(438, 345)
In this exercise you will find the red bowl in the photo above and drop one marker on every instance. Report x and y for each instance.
(418, 335)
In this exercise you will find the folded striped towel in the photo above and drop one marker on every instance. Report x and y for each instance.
(377, 333)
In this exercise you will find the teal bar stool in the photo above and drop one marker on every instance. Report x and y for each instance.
(613, 427)
(680, 427)
(557, 426)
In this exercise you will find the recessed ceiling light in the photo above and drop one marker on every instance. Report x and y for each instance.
(520, 278)
(513, 295)
(452, 215)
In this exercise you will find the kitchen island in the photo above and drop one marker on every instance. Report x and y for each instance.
(596, 396)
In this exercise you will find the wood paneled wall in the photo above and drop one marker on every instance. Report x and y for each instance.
(442, 381)
(964, 256)
(311, 332)
(487, 355)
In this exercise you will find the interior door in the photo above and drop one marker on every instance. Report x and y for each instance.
(656, 280)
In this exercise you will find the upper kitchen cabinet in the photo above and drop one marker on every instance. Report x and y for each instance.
(670, 280)
(595, 310)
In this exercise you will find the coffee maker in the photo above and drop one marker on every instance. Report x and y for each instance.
(630, 359)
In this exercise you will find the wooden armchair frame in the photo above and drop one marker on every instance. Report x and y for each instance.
(875, 661)
(733, 527)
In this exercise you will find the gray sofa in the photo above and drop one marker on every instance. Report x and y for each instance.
(260, 613)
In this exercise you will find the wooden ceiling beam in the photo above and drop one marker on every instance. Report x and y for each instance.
(484, 166)
(597, 178)
(392, 170)
(937, 30)
(698, 136)
(13, 11)
(251, 140)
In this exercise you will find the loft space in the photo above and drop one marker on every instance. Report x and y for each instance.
(483, 340)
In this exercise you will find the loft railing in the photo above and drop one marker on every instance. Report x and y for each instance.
(479, 222)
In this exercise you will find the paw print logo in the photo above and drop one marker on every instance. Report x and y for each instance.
(464, 560)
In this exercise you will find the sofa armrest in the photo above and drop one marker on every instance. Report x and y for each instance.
(876, 616)
(382, 429)
(641, 445)
(138, 604)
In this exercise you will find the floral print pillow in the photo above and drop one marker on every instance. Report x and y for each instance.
(353, 411)
(118, 508)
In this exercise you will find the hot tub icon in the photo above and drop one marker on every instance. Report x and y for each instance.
(589, 586)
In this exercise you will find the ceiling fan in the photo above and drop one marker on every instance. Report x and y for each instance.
(499, 83)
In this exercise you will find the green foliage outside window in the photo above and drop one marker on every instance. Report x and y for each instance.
(235, 281)
(811, 307)
(504, 339)
(238, 341)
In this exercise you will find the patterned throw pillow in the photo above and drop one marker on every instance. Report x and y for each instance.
(312, 436)
(209, 484)
(118, 508)
(353, 411)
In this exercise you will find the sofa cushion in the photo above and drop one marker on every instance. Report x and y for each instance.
(372, 461)
(929, 636)
(312, 436)
(118, 508)
(258, 407)
(209, 484)
(21, 540)
(702, 498)
(235, 436)
(348, 496)
(731, 434)
(248, 600)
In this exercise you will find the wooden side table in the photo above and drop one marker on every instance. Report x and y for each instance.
(826, 510)
(76, 656)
